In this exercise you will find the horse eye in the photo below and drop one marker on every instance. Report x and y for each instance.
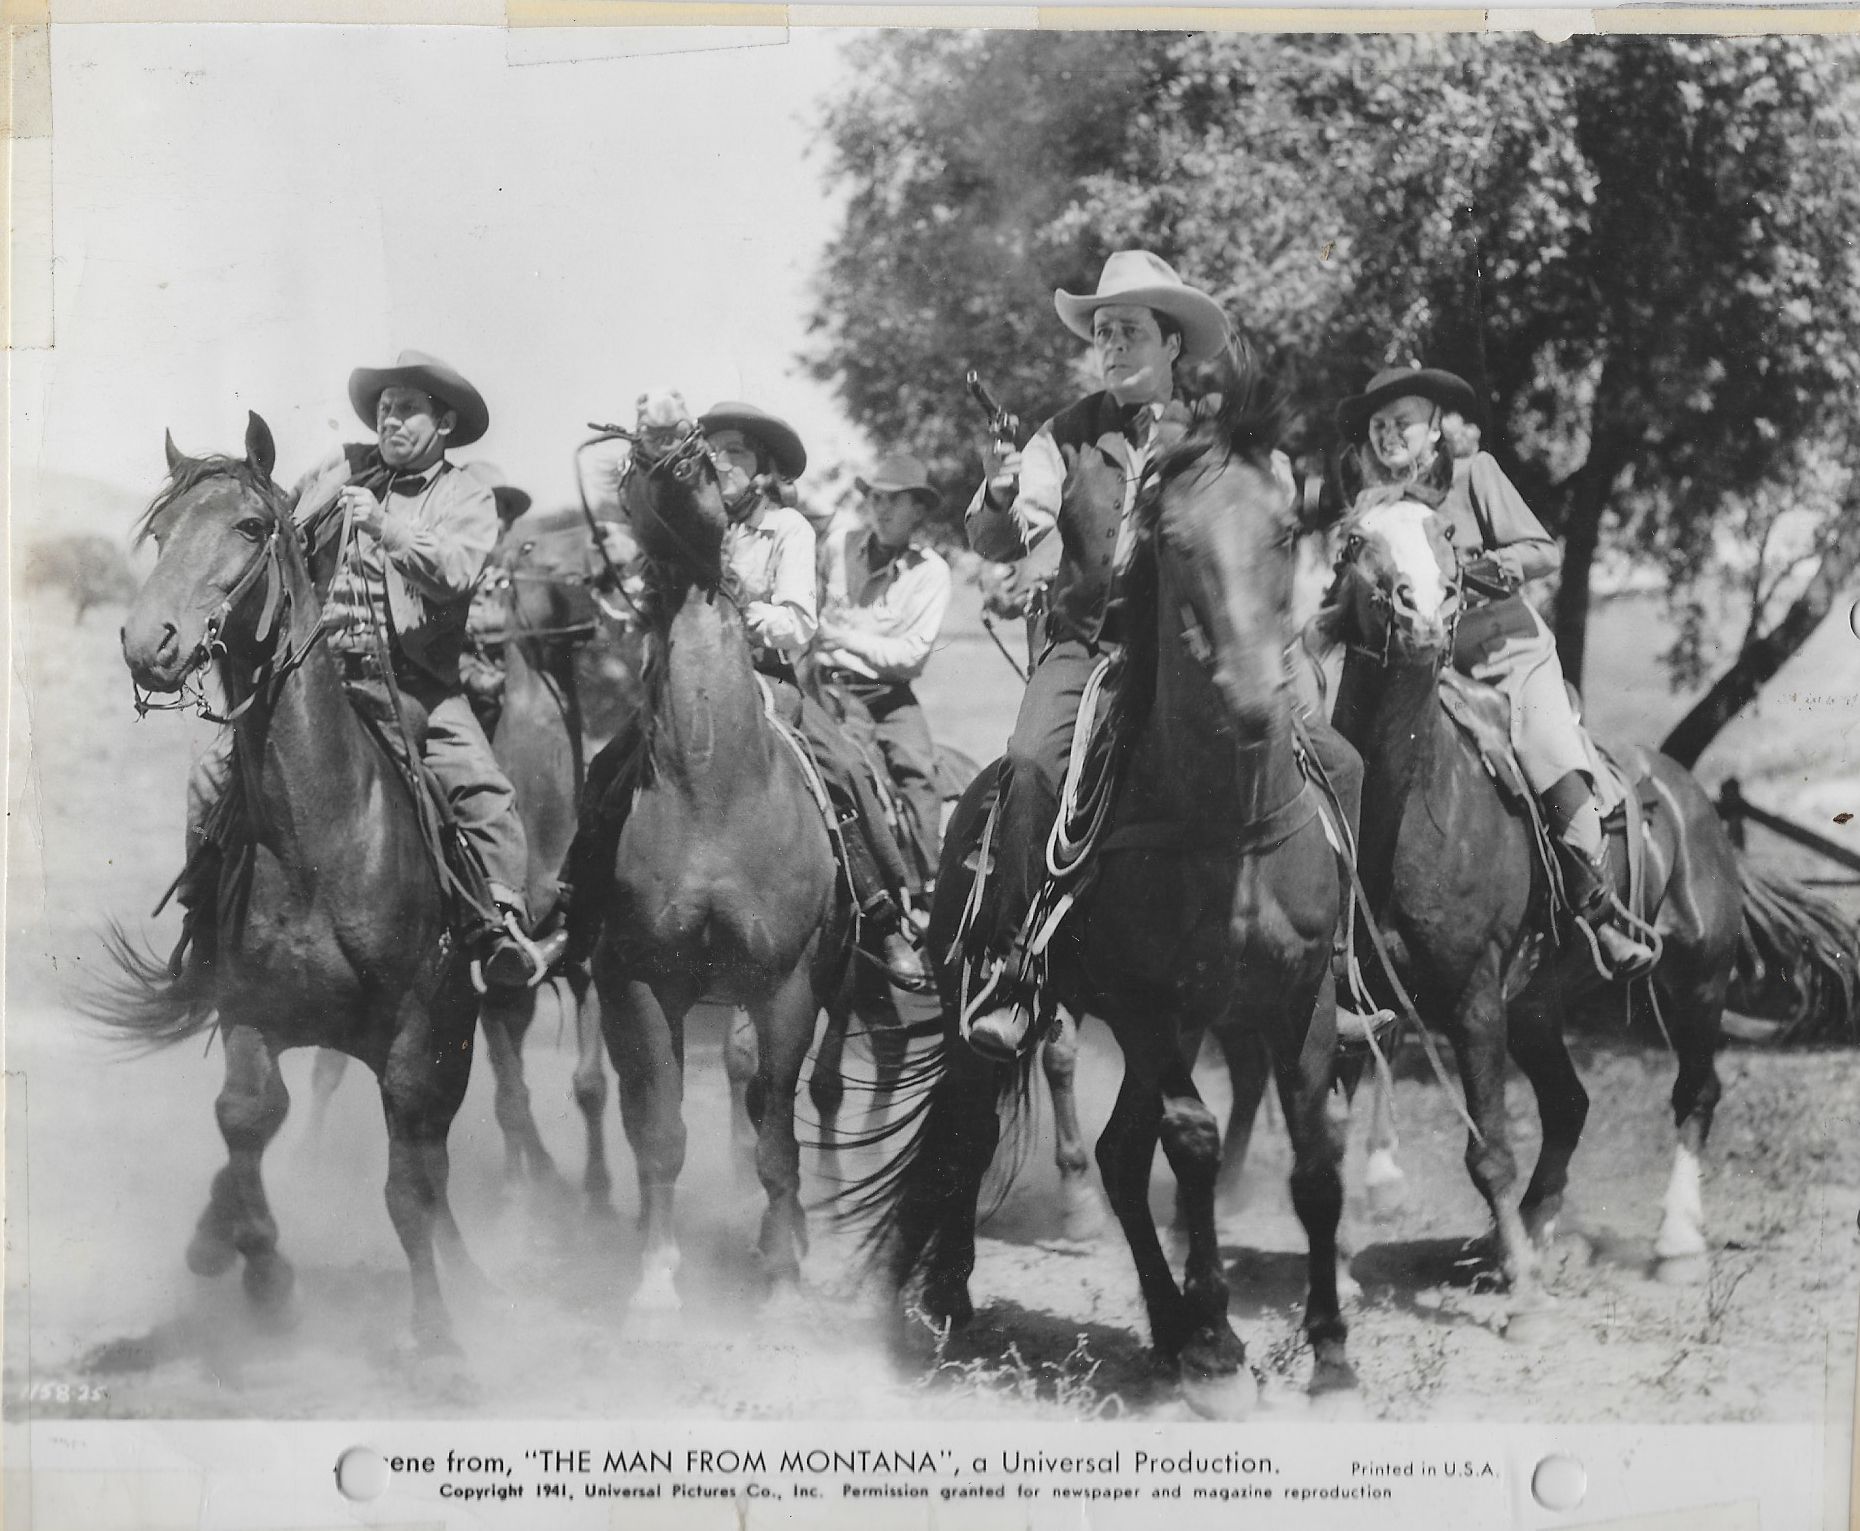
(251, 528)
(1448, 530)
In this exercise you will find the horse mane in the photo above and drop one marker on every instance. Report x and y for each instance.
(190, 473)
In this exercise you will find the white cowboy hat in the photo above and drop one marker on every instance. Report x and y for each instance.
(1143, 280)
(446, 385)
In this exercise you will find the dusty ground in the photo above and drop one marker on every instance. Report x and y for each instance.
(110, 1159)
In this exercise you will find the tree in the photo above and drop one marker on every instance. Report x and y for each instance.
(89, 569)
(1641, 250)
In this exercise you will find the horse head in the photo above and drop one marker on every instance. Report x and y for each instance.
(671, 495)
(1220, 520)
(1397, 592)
(221, 527)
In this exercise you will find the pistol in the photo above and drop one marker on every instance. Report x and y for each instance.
(1003, 424)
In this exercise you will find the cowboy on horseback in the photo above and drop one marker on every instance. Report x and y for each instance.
(884, 597)
(1066, 499)
(1396, 432)
(398, 536)
(769, 553)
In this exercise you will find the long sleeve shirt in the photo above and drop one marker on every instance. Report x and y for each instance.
(886, 610)
(769, 556)
(1487, 512)
(437, 529)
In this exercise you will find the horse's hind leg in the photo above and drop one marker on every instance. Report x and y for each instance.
(251, 1107)
(325, 1076)
(1083, 1212)
(1304, 1066)
(505, 1017)
(741, 1061)
(1248, 1067)
(590, 1087)
(784, 1029)
(1694, 1014)
(1562, 1104)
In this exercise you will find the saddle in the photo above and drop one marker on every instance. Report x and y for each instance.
(1624, 788)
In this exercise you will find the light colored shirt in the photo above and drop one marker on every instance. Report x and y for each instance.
(768, 559)
(601, 469)
(887, 617)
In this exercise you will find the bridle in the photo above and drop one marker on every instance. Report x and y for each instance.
(274, 619)
(1383, 605)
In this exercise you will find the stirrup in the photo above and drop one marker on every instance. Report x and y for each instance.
(511, 946)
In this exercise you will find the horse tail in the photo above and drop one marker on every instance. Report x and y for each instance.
(144, 1000)
(967, 1133)
(1795, 955)
(957, 1107)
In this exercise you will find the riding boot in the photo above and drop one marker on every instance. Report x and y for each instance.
(1588, 881)
(878, 906)
(588, 868)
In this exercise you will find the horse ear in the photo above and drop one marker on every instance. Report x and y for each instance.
(175, 455)
(260, 451)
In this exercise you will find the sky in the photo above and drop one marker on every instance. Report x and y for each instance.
(243, 215)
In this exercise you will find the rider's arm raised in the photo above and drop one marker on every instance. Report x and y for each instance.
(1005, 533)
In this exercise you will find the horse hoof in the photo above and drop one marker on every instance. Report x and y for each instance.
(1683, 1270)
(210, 1253)
(269, 1283)
(1387, 1198)
(657, 1293)
(441, 1373)
(1225, 1396)
(1534, 1324)
(1336, 1396)
(1083, 1222)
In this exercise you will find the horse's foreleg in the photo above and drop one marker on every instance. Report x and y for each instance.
(1082, 1211)
(1304, 1066)
(1248, 1068)
(1562, 1104)
(1694, 1015)
(590, 1087)
(741, 1062)
(784, 1022)
(422, 1084)
(325, 1076)
(1125, 1150)
(505, 1018)
(251, 1107)
(645, 1042)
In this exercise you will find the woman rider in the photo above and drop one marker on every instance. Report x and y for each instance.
(1395, 435)
(769, 562)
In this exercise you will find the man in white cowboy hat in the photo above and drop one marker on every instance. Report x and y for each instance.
(398, 537)
(769, 558)
(884, 598)
(1142, 321)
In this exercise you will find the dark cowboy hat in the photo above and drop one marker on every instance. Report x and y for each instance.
(776, 437)
(415, 369)
(1447, 389)
(511, 501)
(1141, 280)
(901, 473)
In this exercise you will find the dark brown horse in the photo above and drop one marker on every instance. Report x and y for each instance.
(1214, 906)
(1452, 876)
(724, 884)
(340, 937)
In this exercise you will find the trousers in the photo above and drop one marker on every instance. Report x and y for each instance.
(454, 749)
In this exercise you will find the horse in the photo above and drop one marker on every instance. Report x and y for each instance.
(564, 676)
(336, 934)
(1453, 876)
(1214, 904)
(724, 884)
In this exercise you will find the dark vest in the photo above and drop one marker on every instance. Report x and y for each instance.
(1090, 438)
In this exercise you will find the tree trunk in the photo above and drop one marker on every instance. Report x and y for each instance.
(1763, 656)
(1582, 533)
